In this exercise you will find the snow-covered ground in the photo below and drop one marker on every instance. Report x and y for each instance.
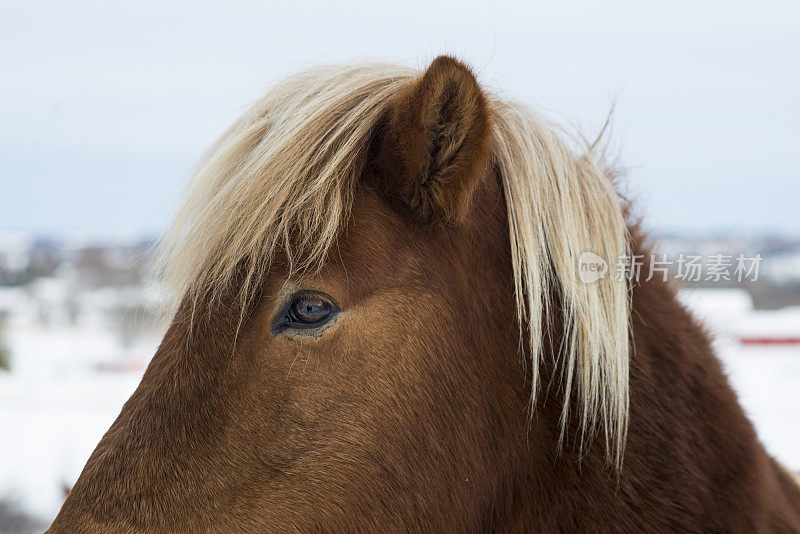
(69, 383)
(50, 428)
(55, 407)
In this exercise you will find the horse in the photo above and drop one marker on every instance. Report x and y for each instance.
(379, 325)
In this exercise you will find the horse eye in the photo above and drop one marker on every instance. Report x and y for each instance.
(310, 309)
(306, 310)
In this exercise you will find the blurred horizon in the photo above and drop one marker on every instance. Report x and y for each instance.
(105, 107)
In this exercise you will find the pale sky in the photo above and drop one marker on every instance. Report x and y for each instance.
(105, 106)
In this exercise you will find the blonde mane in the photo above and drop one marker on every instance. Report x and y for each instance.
(283, 178)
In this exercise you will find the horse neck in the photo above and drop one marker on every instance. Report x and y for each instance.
(689, 443)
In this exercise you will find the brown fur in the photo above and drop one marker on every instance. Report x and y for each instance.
(410, 412)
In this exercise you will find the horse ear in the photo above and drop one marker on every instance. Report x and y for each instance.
(435, 147)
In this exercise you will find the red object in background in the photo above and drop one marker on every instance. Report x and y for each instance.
(773, 340)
